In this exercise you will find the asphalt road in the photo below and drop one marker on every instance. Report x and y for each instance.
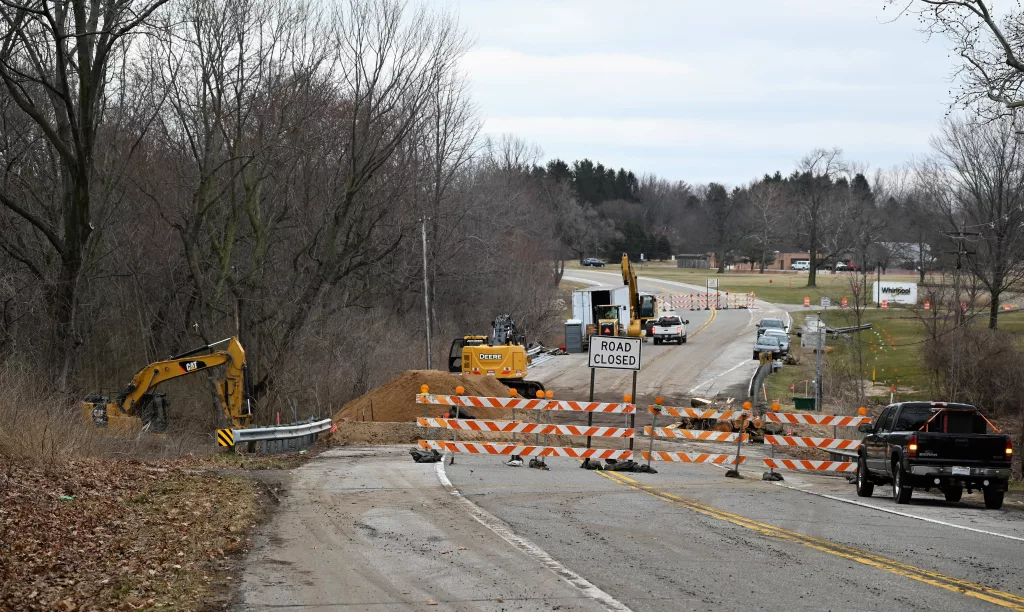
(716, 359)
(368, 529)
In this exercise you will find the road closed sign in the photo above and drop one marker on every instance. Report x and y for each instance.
(615, 353)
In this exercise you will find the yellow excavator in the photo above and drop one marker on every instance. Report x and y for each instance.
(502, 356)
(139, 406)
(642, 306)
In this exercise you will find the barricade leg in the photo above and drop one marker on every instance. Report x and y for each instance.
(771, 474)
(735, 472)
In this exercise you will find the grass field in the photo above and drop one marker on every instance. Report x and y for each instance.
(892, 355)
(782, 288)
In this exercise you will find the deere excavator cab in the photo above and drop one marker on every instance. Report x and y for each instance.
(139, 406)
(504, 357)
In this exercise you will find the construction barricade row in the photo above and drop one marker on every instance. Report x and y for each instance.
(652, 432)
(518, 403)
(707, 301)
(524, 450)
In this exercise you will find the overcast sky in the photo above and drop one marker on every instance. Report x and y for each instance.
(706, 91)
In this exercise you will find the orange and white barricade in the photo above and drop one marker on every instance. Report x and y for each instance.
(521, 403)
(693, 457)
(653, 432)
(825, 444)
(815, 419)
(483, 425)
(818, 466)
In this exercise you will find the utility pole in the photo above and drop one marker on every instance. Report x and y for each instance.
(426, 286)
(817, 375)
(960, 237)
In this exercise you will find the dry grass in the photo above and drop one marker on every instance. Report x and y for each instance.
(86, 525)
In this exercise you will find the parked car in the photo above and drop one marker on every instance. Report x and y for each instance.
(800, 265)
(669, 328)
(852, 267)
(841, 266)
(934, 444)
(766, 324)
(781, 336)
(593, 261)
(767, 344)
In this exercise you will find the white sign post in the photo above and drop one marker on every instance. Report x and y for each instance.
(613, 353)
(712, 284)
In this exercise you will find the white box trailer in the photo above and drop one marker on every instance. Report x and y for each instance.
(584, 301)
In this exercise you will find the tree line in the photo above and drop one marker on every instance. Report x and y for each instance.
(177, 171)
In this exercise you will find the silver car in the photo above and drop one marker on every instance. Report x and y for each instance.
(781, 336)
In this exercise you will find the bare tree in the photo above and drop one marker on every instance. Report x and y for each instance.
(977, 179)
(989, 45)
(56, 61)
(767, 202)
(728, 218)
(821, 219)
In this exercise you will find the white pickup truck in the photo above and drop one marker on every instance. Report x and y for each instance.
(669, 328)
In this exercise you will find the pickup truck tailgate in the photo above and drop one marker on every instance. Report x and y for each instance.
(962, 448)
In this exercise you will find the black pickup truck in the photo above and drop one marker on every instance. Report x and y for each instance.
(934, 444)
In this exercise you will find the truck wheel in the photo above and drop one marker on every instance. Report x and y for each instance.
(953, 494)
(683, 341)
(864, 486)
(901, 491)
(993, 499)
(657, 340)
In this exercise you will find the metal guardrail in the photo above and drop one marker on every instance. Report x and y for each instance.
(280, 438)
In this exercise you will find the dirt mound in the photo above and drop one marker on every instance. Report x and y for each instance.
(395, 401)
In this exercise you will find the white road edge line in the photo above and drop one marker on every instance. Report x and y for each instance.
(898, 513)
(502, 529)
(714, 378)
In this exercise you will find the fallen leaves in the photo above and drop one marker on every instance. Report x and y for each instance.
(132, 535)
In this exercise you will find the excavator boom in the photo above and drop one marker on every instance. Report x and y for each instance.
(641, 307)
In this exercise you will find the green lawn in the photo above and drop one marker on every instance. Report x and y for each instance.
(891, 349)
(783, 288)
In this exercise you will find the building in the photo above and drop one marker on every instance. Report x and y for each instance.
(694, 260)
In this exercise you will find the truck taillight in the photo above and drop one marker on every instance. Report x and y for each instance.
(1009, 448)
(912, 446)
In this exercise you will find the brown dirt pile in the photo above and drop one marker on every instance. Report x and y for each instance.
(395, 401)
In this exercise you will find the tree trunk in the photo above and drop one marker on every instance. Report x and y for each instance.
(721, 262)
(812, 275)
(993, 312)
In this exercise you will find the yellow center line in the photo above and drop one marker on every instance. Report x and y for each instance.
(999, 598)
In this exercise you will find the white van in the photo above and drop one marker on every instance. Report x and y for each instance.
(802, 264)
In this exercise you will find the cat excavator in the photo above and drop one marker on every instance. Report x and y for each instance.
(139, 406)
(502, 356)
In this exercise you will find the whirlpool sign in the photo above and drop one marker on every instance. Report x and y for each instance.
(896, 293)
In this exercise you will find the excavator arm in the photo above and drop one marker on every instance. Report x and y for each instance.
(139, 393)
(641, 307)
